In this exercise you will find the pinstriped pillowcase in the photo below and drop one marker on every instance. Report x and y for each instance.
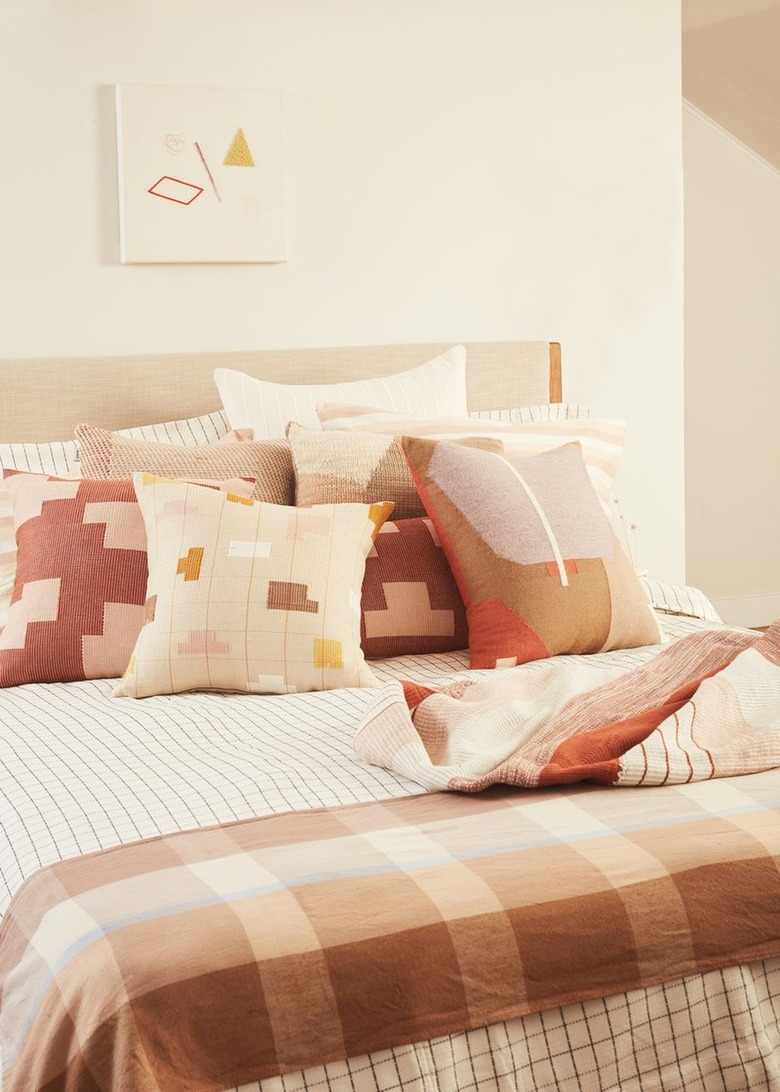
(601, 439)
(536, 560)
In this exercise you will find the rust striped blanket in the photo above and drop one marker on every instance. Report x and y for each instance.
(212, 958)
(706, 706)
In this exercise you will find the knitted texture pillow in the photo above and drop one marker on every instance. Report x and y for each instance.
(105, 454)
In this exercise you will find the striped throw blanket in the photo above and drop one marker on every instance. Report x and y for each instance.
(706, 706)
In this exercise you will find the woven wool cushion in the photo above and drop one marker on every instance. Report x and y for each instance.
(536, 560)
(77, 603)
(602, 440)
(247, 596)
(351, 466)
(106, 454)
(438, 386)
(410, 602)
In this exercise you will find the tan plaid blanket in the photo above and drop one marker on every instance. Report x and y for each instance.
(212, 958)
(706, 706)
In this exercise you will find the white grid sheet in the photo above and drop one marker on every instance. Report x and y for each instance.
(81, 771)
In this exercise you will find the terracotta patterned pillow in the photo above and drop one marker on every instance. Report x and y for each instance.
(105, 454)
(410, 602)
(60, 458)
(77, 603)
(247, 596)
(536, 560)
(331, 467)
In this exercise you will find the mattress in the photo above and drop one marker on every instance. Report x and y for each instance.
(83, 771)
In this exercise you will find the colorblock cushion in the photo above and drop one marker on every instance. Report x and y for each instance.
(332, 467)
(602, 440)
(410, 602)
(247, 596)
(436, 387)
(106, 454)
(536, 560)
(77, 603)
(60, 457)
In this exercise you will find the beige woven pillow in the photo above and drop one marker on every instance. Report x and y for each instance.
(351, 466)
(247, 596)
(108, 455)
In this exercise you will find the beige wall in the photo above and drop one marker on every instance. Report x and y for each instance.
(458, 169)
(732, 372)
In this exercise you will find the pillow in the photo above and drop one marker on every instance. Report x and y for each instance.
(545, 411)
(78, 598)
(437, 387)
(602, 440)
(410, 604)
(108, 455)
(248, 596)
(61, 458)
(538, 565)
(351, 466)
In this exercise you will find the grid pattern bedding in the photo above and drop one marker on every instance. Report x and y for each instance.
(83, 771)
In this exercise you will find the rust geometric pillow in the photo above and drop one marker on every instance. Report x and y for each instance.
(77, 604)
(535, 558)
(410, 602)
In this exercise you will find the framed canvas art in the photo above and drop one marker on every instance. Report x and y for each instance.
(201, 174)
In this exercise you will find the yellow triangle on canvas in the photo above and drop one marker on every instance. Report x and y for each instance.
(238, 154)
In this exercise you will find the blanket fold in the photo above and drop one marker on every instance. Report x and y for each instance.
(706, 706)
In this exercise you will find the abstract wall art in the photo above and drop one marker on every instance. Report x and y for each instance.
(201, 174)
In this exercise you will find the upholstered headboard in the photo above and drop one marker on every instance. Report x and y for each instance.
(43, 399)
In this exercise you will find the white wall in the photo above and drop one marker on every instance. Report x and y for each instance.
(457, 169)
(732, 333)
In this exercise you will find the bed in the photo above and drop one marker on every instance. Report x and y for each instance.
(667, 978)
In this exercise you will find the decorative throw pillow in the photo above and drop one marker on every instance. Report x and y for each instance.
(601, 440)
(77, 604)
(536, 560)
(61, 458)
(248, 596)
(410, 602)
(438, 386)
(351, 466)
(106, 454)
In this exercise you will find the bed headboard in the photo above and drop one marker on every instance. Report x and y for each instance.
(44, 399)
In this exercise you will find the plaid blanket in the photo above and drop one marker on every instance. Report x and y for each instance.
(212, 958)
(706, 706)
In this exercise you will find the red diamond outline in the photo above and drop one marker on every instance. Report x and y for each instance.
(181, 182)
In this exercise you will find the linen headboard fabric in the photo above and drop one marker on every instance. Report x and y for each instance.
(44, 399)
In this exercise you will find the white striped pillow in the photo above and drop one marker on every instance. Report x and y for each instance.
(601, 439)
(437, 387)
(60, 458)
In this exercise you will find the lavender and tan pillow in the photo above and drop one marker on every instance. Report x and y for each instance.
(535, 558)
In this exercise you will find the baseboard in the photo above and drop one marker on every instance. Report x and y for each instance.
(749, 610)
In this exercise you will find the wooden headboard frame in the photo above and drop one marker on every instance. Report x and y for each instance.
(44, 399)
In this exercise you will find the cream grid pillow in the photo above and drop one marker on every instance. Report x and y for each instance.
(247, 596)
